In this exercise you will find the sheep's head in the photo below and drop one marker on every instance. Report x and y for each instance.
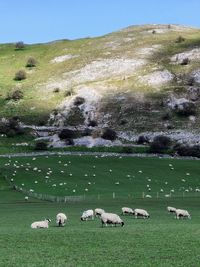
(49, 220)
(122, 223)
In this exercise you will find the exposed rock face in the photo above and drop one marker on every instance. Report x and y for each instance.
(193, 54)
(63, 58)
(182, 106)
(158, 78)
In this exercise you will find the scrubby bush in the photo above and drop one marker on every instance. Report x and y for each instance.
(186, 109)
(108, 134)
(20, 75)
(187, 151)
(67, 134)
(69, 142)
(142, 139)
(31, 62)
(11, 127)
(79, 101)
(160, 143)
(180, 39)
(166, 116)
(68, 92)
(15, 95)
(56, 90)
(153, 32)
(92, 123)
(185, 61)
(19, 45)
(41, 145)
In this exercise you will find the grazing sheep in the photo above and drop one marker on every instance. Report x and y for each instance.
(87, 214)
(171, 209)
(142, 213)
(98, 212)
(41, 224)
(61, 219)
(128, 211)
(182, 213)
(111, 218)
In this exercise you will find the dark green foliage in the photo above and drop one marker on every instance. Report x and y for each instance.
(142, 139)
(11, 127)
(186, 109)
(180, 39)
(15, 95)
(79, 101)
(20, 75)
(56, 90)
(160, 144)
(67, 134)
(188, 151)
(127, 150)
(41, 145)
(185, 61)
(108, 134)
(31, 62)
(19, 45)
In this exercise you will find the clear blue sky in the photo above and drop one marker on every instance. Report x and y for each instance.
(35, 21)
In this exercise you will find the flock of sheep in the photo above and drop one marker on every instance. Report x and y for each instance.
(109, 218)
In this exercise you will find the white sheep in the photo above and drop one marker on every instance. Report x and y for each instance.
(61, 219)
(98, 212)
(171, 209)
(87, 215)
(41, 224)
(142, 213)
(128, 211)
(182, 213)
(111, 218)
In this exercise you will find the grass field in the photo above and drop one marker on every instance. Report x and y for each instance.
(159, 241)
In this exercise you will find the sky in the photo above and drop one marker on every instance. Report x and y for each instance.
(38, 21)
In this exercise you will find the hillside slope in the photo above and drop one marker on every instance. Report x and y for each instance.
(142, 78)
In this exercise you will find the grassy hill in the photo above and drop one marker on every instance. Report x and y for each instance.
(125, 75)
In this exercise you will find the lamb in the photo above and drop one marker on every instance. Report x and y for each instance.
(128, 211)
(182, 213)
(111, 218)
(141, 212)
(41, 224)
(87, 215)
(61, 219)
(171, 209)
(98, 212)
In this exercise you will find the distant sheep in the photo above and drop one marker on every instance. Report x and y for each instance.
(87, 215)
(182, 213)
(98, 212)
(141, 213)
(128, 211)
(171, 209)
(111, 218)
(61, 218)
(41, 224)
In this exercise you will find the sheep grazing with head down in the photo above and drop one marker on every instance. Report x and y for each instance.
(171, 209)
(141, 213)
(98, 212)
(127, 211)
(111, 218)
(61, 219)
(182, 213)
(41, 224)
(88, 214)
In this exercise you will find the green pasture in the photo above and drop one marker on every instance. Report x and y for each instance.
(160, 241)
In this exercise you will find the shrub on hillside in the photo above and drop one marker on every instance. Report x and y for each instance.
(67, 134)
(79, 101)
(68, 92)
(56, 90)
(108, 134)
(185, 61)
(15, 95)
(160, 143)
(11, 127)
(19, 45)
(186, 109)
(69, 142)
(31, 62)
(142, 139)
(180, 39)
(20, 75)
(92, 123)
(41, 145)
(188, 151)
